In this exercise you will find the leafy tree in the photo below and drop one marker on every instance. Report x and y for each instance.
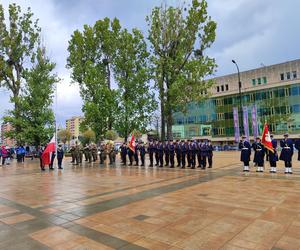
(35, 113)
(64, 135)
(90, 55)
(88, 136)
(135, 101)
(111, 135)
(19, 39)
(179, 38)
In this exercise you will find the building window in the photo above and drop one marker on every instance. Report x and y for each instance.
(218, 88)
(294, 74)
(288, 75)
(222, 88)
(226, 87)
(282, 77)
(259, 81)
(253, 82)
(265, 80)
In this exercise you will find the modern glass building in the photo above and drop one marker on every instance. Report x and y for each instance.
(274, 90)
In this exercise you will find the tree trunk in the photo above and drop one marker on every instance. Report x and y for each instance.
(163, 121)
(169, 125)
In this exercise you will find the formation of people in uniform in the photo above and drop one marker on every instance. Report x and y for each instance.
(189, 153)
(90, 153)
(262, 154)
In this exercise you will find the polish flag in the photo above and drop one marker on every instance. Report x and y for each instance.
(266, 138)
(50, 148)
(132, 143)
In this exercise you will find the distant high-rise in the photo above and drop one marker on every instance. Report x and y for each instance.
(6, 127)
(73, 125)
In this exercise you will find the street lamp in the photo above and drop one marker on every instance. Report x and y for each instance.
(240, 95)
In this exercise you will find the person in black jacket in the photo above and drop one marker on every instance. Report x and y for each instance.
(259, 154)
(142, 151)
(60, 156)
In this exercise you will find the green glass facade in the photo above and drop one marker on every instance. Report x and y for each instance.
(279, 106)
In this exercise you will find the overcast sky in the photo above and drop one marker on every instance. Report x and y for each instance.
(253, 32)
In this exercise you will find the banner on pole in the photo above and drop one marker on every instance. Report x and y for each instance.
(254, 121)
(246, 122)
(236, 124)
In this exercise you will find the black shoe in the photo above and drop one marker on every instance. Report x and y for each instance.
(60, 168)
(172, 167)
(51, 168)
(160, 166)
(183, 167)
(43, 169)
(192, 167)
(210, 167)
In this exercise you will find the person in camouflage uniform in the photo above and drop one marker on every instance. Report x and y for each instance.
(77, 153)
(72, 152)
(94, 152)
(111, 153)
(85, 151)
(103, 153)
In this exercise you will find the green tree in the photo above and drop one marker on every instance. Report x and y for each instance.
(90, 55)
(35, 113)
(179, 38)
(19, 39)
(111, 135)
(88, 136)
(136, 103)
(64, 135)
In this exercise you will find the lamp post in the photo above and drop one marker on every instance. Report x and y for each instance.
(240, 96)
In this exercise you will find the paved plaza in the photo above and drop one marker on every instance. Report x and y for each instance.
(92, 207)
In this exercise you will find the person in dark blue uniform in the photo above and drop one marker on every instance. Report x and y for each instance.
(193, 152)
(189, 153)
(297, 146)
(245, 148)
(273, 156)
(210, 150)
(161, 154)
(130, 155)
(60, 156)
(136, 153)
(142, 151)
(203, 148)
(156, 153)
(199, 158)
(183, 148)
(166, 152)
(178, 152)
(287, 151)
(151, 151)
(123, 153)
(171, 149)
(259, 154)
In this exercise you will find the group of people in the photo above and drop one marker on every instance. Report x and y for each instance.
(261, 153)
(187, 153)
(91, 152)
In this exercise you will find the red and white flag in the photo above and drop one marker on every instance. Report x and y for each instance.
(266, 138)
(46, 155)
(132, 143)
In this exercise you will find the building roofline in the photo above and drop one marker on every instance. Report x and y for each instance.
(259, 68)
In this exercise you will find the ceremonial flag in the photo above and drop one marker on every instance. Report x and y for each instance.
(50, 148)
(132, 143)
(266, 138)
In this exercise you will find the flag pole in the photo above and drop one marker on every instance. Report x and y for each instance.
(55, 118)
